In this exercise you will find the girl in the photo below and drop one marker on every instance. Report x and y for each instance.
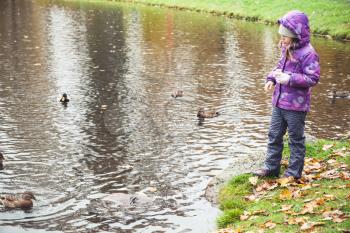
(296, 72)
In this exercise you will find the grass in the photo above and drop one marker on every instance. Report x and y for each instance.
(327, 17)
(265, 212)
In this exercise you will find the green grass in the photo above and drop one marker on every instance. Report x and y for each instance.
(233, 204)
(327, 17)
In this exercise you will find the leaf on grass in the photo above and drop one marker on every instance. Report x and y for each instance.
(333, 163)
(228, 230)
(344, 175)
(329, 197)
(308, 186)
(244, 216)
(260, 212)
(340, 152)
(309, 225)
(264, 186)
(347, 197)
(311, 177)
(269, 224)
(327, 147)
(335, 216)
(284, 162)
(296, 221)
(330, 174)
(285, 180)
(251, 197)
(309, 207)
(253, 180)
(285, 195)
(285, 208)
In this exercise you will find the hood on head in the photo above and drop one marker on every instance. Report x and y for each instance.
(297, 22)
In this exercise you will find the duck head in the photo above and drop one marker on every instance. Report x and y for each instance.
(200, 113)
(28, 196)
(64, 98)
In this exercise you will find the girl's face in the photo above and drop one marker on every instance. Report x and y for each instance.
(286, 41)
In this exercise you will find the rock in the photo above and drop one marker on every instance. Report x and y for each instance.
(239, 166)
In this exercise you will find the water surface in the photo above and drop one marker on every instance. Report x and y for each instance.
(121, 132)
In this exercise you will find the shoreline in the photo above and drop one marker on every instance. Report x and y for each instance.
(238, 166)
(229, 13)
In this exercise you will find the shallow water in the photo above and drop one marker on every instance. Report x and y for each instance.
(122, 132)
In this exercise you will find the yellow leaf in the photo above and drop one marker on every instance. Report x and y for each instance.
(285, 195)
(284, 181)
(329, 197)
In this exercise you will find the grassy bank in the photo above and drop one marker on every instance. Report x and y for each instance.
(319, 202)
(330, 18)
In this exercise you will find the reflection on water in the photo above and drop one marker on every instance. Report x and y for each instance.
(122, 133)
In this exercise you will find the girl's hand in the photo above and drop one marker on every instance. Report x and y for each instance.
(282, 78)
(268, 86)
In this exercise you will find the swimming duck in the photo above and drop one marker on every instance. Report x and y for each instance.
(24, 201)
(64, 98)
(177, 93)
(206, 114)
(340, 94)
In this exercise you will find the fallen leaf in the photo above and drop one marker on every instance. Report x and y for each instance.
(327, 147)
(251, 197)
(285, 195)
(296, 221)
(344, 175)
(273, 186)
(310, 225)
(332, 161)
(260, 212)
(329, 197)
(264, 186)
(330, 174)
(286, 207)
(244, 216)
(269, 224)
(284, 181)
(335, 216)
(253, 180)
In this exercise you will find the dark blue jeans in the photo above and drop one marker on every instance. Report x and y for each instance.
(294, 121)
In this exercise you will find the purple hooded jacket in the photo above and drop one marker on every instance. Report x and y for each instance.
(303, 68)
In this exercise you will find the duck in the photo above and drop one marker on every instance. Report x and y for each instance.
(177, 93)
(340, 94)
(2, 158)
(207, 114)
(64, 98)
(24, 201)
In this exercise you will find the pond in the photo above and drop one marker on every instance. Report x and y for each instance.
(122, 134)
